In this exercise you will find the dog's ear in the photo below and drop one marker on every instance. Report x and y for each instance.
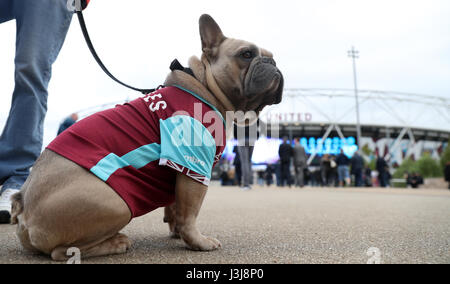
(211, 36)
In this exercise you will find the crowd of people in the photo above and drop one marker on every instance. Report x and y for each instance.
(293, 169)
(329, 170)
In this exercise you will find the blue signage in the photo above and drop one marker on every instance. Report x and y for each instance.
(266, 149)
(330, 146)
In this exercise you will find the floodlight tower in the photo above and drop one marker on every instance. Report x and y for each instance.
(354, 54)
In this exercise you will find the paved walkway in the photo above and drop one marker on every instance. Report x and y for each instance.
(292, 226)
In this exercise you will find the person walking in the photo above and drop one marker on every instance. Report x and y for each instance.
(325, 169)
(367, 176)
(237, 166)
(382, 169)
(41, 28)
(343, 163)
(357, 165)
(333, 178)
(270, 170)
(285, 152)
(300, 163)
(245, 156)
(246, 137)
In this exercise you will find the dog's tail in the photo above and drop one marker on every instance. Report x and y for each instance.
(17, 207)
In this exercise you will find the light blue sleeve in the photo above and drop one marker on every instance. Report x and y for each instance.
(186, 142)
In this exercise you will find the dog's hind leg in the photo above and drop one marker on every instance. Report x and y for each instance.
(24, 238)
(66, 206)
(118, 244)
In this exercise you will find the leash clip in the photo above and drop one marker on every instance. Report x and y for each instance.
(76, 5)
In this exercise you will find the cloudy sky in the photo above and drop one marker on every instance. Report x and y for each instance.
(404, 46)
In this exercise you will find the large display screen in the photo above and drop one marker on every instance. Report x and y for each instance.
(266, 149)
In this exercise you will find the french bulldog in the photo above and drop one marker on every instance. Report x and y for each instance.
(63, 204)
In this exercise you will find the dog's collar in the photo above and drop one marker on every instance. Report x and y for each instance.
(211, 81)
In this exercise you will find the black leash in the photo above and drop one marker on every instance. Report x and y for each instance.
(94, 53)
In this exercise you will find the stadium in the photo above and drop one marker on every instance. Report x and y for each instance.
(393, 124)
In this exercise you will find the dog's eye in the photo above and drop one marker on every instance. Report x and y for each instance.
(247, 54)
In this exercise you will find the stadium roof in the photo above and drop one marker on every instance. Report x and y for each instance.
(382, 109)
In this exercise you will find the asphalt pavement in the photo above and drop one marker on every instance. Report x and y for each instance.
(272, 225)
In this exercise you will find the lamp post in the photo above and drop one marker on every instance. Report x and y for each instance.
(354, 54)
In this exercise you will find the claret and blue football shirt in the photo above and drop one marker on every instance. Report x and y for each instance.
(138, 148)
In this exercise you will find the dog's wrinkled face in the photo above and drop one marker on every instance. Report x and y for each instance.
(245, 73)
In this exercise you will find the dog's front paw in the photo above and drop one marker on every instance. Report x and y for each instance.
(204, 244)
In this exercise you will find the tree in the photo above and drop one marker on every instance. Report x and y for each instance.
(426, 166)
(429, 167)
(408, 165)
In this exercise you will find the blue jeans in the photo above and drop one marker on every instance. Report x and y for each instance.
(41, 29)
(245, 155)
(343, 173)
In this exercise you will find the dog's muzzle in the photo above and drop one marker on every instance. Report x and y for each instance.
(264, 82)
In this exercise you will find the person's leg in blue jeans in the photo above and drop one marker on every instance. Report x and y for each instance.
(245, 154)
(341, 175)
(41, 29)
(6, 10)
